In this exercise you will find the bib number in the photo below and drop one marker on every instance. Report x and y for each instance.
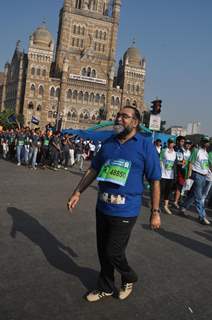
(115, 171)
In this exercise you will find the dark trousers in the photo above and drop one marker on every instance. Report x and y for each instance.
(166, 186)
(113, 234)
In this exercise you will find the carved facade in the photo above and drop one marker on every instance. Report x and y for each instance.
(77, 78)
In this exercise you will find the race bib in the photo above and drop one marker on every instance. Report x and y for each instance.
(169, 164)
(115, 171)
(46, 142)
(204, 164)
(21, 142)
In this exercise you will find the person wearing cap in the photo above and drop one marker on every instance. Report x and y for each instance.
(198, 171)
(158, 145)
(120, 167)
(183, 154)
(168, 161)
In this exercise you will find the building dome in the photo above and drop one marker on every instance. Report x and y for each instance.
(133, 56)
(42, 37)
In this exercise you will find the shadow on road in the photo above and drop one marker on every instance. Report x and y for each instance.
(206, 234)
(191, 244)
(55, 252)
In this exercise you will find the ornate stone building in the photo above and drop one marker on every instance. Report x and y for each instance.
(76, 80)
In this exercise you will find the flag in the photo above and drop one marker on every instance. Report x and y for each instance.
(12, 118)
(35, 120)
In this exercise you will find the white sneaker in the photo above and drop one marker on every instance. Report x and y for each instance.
(97, 295)
(167, 210)
(18, 164)
(204, 221)
(125, 291)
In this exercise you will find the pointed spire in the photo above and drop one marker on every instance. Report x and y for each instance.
(133, 43)
(18, 45)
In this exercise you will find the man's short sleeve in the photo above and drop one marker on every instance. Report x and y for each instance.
(152, 163)
(193, 155)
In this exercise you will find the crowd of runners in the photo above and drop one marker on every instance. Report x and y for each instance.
(186, 168)
(46, 149)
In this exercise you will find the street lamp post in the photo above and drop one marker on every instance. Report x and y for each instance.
(58, 120)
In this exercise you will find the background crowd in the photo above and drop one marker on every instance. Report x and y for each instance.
(186, 168)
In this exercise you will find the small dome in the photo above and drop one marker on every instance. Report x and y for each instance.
(133, 55)
(42, 36)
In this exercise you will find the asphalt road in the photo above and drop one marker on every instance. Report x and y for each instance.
(48, 257)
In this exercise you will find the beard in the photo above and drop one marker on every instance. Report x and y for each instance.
(121, 131)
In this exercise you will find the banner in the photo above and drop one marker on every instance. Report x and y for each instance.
(35, 120)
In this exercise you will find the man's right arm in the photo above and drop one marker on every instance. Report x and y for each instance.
(86, 180)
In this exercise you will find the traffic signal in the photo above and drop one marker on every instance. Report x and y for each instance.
(156, 106)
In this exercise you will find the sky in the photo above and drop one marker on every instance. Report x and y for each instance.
(174, 36)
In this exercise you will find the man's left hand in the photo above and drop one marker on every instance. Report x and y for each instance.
(155, 221)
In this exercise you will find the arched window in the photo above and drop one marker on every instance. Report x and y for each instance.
(69, 116)
(80, 96)
(75, 95)
(33, 71)
(32, 89)
(78, 4)
(112, 100)
(105, 35)
(30, 105)
(117, 101)
(52, 92)
(97, 34)
(97, 98)
(100, 35)
(81, 115)
(103, 99)
(57, 93)
(39, 107)
(94, 7)
(83, 31)
(41, 91)
(86, 115)
(92, 97)
(127, 103)
(93, 73)
(44, 73)
(84, 73)
(38, 72)
(89, 72)
(137, 88)
(74, 115)
(78, 30)
(86, 97)
(128, 87)
(75, 29)
(69, 94)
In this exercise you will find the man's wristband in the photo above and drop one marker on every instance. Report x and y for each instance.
(155, 211)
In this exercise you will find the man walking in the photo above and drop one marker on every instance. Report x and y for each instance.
(120, 167)
(198, 171)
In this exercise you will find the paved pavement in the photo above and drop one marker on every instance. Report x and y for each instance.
(48, 258)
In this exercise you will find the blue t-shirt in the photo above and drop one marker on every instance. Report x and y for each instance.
(142, 155)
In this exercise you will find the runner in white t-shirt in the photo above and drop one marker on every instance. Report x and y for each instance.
(167, 160)
(198, 171)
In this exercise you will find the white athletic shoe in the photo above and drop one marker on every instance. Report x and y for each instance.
(97, 295)
(125, 291)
